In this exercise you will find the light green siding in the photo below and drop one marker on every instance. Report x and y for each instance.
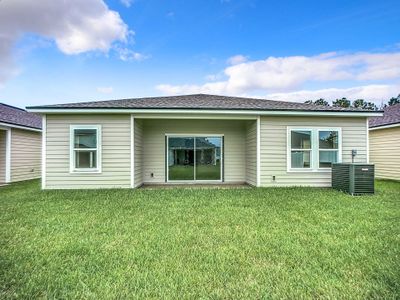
(384, 146)
(25, 154)
(154, 132)
(240, 148)
(116, 152)
(273, 148)
(138, 152)
(251, 153)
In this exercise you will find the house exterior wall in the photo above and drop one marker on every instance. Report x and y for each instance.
(116, 152)
(273, 148)
(3, 156)
(154, 132)
(384, 146)
(25, 154)
(251, 153)
(240, 148)
(138, 152)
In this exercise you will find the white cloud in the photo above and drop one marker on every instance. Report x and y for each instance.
(284, 74)
(237, 59)
(374, 92)
(76, 26)
(7, 63)
(208, 88)
(127, 54)
(126, 3)
(105, 89)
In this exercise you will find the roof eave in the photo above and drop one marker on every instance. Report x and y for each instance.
(59, 110)
(385, 126)
(13, 125)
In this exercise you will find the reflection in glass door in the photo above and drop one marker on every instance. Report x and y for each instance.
(181, 158)
(208, 158)
(194, 158)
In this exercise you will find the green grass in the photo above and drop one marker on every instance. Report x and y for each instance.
(199, 243)
(203, 172)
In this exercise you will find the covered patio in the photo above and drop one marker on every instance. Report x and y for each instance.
(201, 151)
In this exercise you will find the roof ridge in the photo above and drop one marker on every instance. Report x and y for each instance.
(12, 106)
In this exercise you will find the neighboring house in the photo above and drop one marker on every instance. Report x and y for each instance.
(384, 141)
(20, 144)
(197, 139)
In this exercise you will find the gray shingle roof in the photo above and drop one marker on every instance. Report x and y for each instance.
(17, 116)
(198, 101)
(391, 115)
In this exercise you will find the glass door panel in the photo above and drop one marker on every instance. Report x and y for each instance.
(181, 158)
(208, 158)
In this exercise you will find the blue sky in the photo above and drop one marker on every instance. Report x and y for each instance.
(292, 50)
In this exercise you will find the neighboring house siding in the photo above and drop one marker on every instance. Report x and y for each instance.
(3, 134)
(116, 152)
(138, 152)
(251, 153)
(154, 145)
(274, 148)
(25, 154)
(384, 146)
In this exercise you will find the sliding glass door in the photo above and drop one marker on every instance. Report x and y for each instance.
(197, 158)
(181, 158)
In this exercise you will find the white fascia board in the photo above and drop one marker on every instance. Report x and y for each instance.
(205, 111)
(19, 127)
(385, 126)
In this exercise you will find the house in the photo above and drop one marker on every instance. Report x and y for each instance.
(197, 139)
(384, 143)
(20, 144)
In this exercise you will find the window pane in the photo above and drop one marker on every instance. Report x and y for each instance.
(328, 140)
(301, 159)
(208, 158)
(326, 158)
(85, 159)
(181, 158)
(85, 138)
(301, 139)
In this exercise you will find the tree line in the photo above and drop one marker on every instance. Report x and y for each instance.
(359, 103)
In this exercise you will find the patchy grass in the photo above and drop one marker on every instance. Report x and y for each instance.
(199, 243)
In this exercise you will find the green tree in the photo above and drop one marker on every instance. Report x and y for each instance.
(371, 106)
(359, 103)
(394, 100)
(320, 101)
(342, 103)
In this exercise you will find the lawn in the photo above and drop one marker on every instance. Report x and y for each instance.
(199, 243)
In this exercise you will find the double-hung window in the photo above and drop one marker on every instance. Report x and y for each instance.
(313, 149)
(328, 144)
(85, 151)
(301, 151)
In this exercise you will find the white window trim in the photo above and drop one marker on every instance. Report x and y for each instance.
(314, 151)
(72, 168)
